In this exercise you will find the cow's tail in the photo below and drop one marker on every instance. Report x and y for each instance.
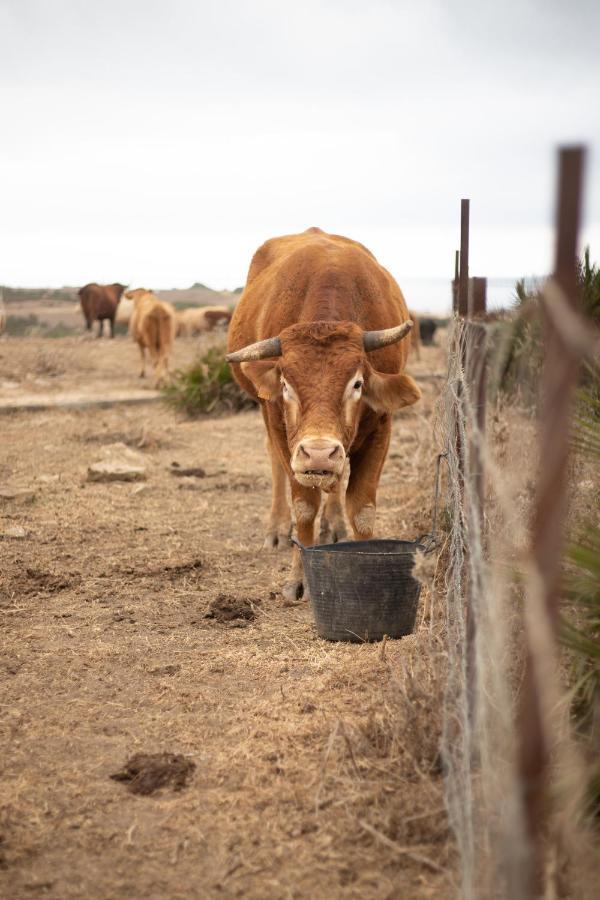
(160, 329)
(159, 335)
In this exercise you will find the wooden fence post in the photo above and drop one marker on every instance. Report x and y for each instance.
(558, 380)
(475, 348)
(469, 297)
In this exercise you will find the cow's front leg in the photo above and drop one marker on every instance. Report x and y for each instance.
(306, 502)
(365, 470)
(280, 521)
(333, 521)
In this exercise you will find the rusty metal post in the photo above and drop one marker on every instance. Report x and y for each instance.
(558, 380)
(463, 281)
(477, 297)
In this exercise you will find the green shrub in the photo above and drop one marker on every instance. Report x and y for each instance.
(516, 338)
(207, 387)
(580, 627)
(516, 351)
(22, 326)
(60, 330)
(588, 276)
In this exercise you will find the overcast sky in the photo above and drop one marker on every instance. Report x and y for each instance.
(160, 143)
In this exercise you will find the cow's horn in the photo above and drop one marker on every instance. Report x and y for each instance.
(372, 340)
(261, 350)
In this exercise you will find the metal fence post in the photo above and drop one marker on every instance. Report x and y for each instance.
(558, 380)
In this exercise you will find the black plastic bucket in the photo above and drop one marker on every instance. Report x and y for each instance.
(362, 590)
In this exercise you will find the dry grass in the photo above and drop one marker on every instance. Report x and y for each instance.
(317, 766)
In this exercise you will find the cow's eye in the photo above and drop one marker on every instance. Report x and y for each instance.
(357, 385)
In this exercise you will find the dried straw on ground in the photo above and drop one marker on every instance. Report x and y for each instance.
(317, 765)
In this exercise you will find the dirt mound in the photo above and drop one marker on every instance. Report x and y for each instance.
(145, 773)
(228, 609)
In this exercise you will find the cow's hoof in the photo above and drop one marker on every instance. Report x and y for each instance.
(293, 592)
(277, 541)
(331, 534)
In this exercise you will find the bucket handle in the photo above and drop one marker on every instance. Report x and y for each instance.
(429, 539)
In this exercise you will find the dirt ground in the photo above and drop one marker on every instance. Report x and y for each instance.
(36, 367)
(316, 770)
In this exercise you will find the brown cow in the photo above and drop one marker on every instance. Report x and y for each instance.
(324, 322)
(197, 320)
(100, 302)
(152, 325)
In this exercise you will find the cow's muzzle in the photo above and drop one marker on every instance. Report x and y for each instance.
(318, 462)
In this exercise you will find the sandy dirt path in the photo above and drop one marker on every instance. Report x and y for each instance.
(317, 766)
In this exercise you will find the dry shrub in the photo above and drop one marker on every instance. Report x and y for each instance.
(207, 386)
(50, 363)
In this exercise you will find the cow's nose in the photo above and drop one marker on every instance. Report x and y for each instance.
(320, 456)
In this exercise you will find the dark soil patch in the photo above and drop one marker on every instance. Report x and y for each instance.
(145, 773)
(3, 860)
(227, 609)
(49, 582)
(191, 471)
(165, 670)
(126, 617)
(236, 483)
(192, 567)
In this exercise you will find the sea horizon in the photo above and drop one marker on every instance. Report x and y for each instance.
(433, 295)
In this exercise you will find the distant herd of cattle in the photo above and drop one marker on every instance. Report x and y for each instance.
(153, 323)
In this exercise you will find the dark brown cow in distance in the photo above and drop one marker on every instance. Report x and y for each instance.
(317, 338)
(99, 302)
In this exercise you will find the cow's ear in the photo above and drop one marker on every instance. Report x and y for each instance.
(386, 393)
(264, 375)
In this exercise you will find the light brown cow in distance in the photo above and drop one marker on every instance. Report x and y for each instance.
(198, 320)
(317, 338)
(100, 302)
(124, 311)
(152, 325)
